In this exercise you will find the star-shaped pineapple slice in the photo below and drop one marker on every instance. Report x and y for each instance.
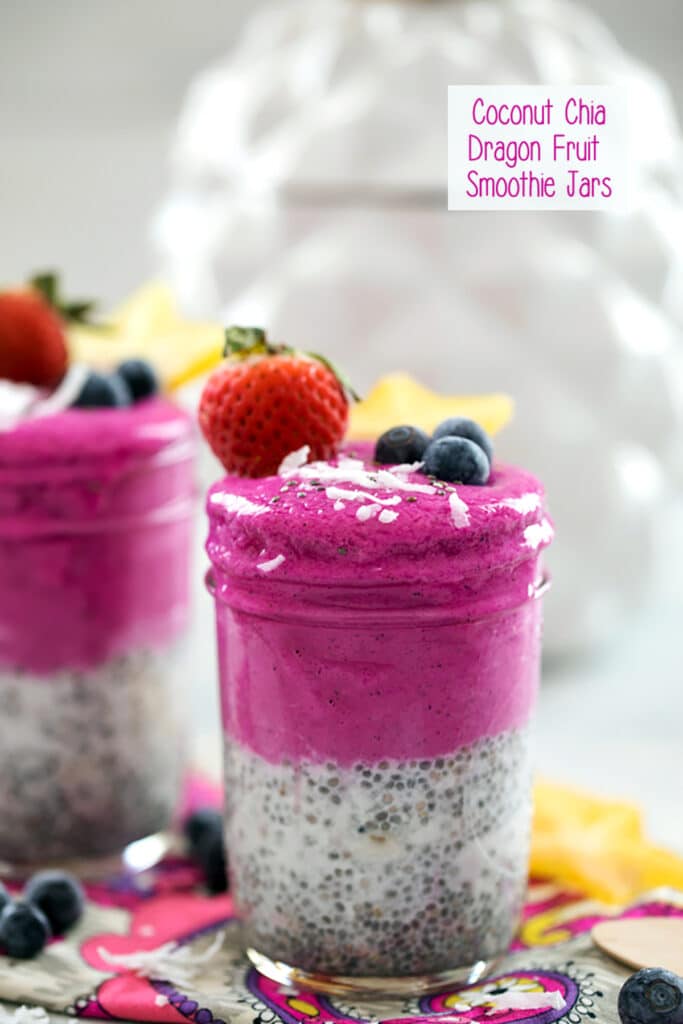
(149, 326)
(398, 398)
(597, 846)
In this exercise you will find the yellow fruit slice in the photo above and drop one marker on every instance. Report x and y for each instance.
(597, 846)
(149, 309)
(149, 326)
(399, 398)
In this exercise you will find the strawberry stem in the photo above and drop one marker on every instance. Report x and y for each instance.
(47, 285)
(245, 341)
(253, 341)
(342, 379)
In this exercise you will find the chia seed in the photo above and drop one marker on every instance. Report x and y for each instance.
(88, 759)
(461, 907)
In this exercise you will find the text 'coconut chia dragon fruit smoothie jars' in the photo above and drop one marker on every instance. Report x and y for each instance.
(95, 532)
(379, 641)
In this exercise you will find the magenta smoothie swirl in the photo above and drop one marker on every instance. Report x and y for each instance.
(94, 505)
(465, 552)
(95, 529)
(378, 638)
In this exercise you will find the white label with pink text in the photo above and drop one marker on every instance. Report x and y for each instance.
(537, 147)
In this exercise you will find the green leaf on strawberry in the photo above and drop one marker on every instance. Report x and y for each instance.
(250, 341)
(46, 284)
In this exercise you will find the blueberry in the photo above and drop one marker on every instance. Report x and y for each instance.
(100, 391)
(24, 930)
(456, 459)
(460, 426)
(211, 856)
(204, 830)
(652, 996)
(140, 377)
(59, 896)
(401, 444)
(205, 820)
(5, 897)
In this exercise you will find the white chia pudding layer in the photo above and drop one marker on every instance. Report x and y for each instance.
(396, 868)
(89, 760)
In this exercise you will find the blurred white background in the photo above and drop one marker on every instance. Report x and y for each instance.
(89, 96)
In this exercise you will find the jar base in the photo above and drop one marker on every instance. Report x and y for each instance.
(140, 855)
(346, 985)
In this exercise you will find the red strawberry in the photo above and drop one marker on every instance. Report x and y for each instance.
(266, 401)
(33, 346)
(32, 340)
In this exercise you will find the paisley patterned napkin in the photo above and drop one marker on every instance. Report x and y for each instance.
(192, 970)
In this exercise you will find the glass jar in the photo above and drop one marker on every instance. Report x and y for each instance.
(95, 533)
(376, 731)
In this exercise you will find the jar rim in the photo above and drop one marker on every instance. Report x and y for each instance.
(428, 614)
(86, 437)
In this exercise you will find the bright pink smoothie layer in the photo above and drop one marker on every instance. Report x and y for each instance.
(367, 612)
(95, 514)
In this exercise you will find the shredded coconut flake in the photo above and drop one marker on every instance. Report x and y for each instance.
(387, 516)
(459, 511)
(513, 1000)
(338, 505)
(24, 1015)
(407, 467)
(366, 512)
(238, 504)
(538, 533)
(66, 394)
(16, 401)
(353, 471)
(393, 481)
(171, 961)
(452, 1018)
(293, 461)
(527, 503)
(274, 563)
(528, 1000)
(340, 494)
